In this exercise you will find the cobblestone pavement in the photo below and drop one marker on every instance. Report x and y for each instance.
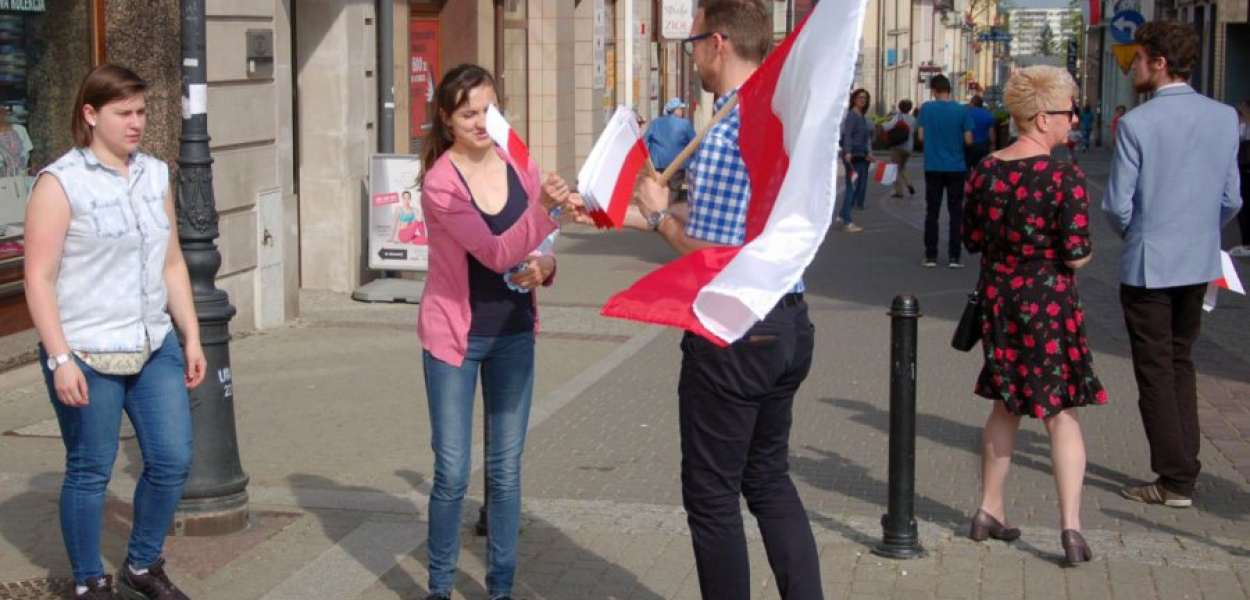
(334, 435)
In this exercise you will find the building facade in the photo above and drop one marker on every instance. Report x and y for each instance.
(1031, 27)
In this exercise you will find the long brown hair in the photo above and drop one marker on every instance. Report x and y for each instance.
(450, 95)
(104, 84)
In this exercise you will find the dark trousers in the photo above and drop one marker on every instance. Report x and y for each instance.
(935, 183)
(1163, 325)
(735, 415)
(975, 153)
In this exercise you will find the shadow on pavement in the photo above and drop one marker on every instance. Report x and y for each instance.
(1163, 528)
(402, 579)
(1032, 448)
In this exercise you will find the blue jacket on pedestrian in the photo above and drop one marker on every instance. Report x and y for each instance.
(856, 135)
(666, 138)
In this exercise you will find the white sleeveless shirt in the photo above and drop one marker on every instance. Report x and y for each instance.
(111, 286)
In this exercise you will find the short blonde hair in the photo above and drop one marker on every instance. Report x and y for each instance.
(1037, 89)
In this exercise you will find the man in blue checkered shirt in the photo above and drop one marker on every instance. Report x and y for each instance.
(735, 403)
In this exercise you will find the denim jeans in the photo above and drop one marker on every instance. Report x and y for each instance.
(156, 401)
(506, 364)
(855, 191)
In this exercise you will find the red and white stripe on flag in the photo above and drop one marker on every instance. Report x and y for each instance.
(1229, 281)
(1091, 10)
(787, 116)
(501, 132)
(606, 179)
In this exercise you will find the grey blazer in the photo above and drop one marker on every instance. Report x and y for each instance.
(1174, 183)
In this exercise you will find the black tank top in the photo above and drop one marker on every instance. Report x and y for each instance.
(497, 310)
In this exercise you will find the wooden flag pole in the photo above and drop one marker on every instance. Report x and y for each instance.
(698, 139)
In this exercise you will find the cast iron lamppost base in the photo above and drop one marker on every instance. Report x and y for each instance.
(215, 499)
(900, 538)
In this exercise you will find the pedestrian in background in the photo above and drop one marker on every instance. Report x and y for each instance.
(1028, 216)
(103, 212)
(945, 129)
(901, 152)
(666, 138)
(1173, 185)
(735, 403)
(984, 137)
(1243, 166)
(1087, 127)
(856, 154)
(486, 214)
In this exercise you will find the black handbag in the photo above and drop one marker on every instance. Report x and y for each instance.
(968, 331)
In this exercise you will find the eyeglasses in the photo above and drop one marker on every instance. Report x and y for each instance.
(1071, 112)
(687, 45)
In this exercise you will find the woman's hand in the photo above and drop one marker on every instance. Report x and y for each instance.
(70, 384)
(196, 364)
(538, 269)
(555, 191)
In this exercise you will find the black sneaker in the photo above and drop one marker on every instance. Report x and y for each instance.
(100, 588)
(437, 597)
(153, 585)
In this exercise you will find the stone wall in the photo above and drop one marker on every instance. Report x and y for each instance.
(144, 36)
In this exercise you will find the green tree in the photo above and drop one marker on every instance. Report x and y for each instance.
(1046, 41)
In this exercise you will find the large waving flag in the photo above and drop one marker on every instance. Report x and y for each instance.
(791, 110)
(505, 137)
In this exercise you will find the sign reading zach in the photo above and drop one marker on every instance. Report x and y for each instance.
(22, 5)
(677, 16)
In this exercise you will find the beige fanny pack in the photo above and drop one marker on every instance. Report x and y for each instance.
(117, 363)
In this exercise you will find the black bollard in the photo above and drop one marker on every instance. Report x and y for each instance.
(900, 538)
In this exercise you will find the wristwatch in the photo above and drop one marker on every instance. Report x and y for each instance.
(654, 219)
(56, 361)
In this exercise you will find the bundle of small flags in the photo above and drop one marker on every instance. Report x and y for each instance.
(606, 179)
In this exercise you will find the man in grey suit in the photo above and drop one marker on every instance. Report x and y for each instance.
(1174, 183)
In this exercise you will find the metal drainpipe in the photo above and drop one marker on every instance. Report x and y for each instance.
(386, 76)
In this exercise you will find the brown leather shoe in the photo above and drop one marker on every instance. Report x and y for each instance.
(100, 588)
(1155, 493)
(153, 585)
(1075, 549)
(985, 526)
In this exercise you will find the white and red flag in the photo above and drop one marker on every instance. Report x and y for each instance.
(1091, 11)
(1229, 280)
(501, 132)
(606, 180)
(791, 110)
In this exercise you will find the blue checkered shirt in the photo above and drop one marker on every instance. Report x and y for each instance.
(720, 189)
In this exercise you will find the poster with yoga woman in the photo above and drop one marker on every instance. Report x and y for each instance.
(397, 234)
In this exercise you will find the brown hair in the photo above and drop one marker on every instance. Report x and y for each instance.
(1174, 41)
(104, 84)
(450, 95)
(867, 99)
(747, 24)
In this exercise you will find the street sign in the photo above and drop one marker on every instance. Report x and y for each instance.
(995, 36)
(677, 18)
(1124, 24)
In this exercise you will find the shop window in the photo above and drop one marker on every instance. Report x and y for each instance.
(46, 47)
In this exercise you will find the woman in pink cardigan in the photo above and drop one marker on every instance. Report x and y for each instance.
(486, 215)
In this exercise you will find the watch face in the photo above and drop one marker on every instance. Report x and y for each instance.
(51, 363)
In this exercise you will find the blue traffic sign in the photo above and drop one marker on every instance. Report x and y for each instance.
(1124, 24)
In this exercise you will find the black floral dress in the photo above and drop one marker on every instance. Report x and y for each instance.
(1026, 217)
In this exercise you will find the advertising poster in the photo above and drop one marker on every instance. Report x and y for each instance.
(422, 68)
(397, 233)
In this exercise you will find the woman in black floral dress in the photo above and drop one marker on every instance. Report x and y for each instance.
(1028, 216)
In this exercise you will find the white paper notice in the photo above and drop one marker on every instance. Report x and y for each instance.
(199, 99)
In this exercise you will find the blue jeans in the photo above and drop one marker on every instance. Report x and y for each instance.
(855, 191)
(156, 401)
(506, 364)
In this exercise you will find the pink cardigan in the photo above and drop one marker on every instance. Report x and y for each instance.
(456, 230)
